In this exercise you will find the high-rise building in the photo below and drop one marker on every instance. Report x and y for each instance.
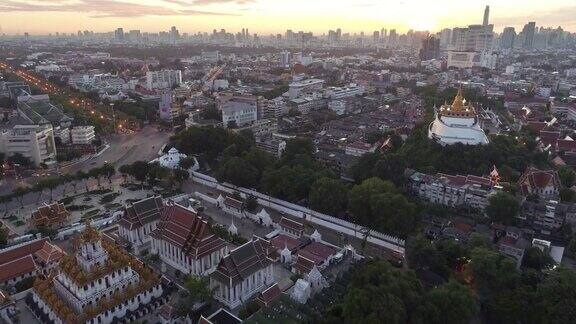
(393, 38)
(528, 32)
(445, 38)
(285, 59)
(430, 48)
(119, 34)
(376, 36)
(486, 16)
(508, 37)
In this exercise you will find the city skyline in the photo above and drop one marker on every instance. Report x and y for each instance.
(259, 15)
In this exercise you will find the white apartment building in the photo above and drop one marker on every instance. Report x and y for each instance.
(35, 142)
(163, 79)
(453, 191)
(351, 90)
(83, 135)
(243, 111)
(298, 88)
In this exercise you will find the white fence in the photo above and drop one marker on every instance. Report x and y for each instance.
(336, 224)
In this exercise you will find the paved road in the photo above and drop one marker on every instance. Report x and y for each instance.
(126, 149)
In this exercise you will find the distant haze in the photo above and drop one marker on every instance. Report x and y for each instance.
(275, 16)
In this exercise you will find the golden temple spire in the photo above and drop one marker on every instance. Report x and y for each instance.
(458, 103)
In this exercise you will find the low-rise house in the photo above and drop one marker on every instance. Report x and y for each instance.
(513, 245)
(51, 216)
(28, 260)
(139, 221)
(244, 272)
(183, 239)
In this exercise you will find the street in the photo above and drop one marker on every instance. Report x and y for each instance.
(126, 149)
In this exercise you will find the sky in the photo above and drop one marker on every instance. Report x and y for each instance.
(275, 16)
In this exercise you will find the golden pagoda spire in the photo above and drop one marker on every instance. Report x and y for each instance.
(458, 103)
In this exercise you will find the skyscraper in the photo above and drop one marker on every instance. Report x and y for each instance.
(507, 38)
(430, 48)
(486, 16)
(119, 34)
(529, 30)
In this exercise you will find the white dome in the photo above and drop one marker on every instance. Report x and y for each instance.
(452, 130)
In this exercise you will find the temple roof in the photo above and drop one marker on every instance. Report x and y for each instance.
(459, 107)
(142, 212)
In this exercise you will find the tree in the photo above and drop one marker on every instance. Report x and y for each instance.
(534, 258)
(328, 196)
(422, 254)
(503, 208)
(251, 203)
(156, 173)
(567, 176)
(297, 146)
(260, 159)
(19, 193)
(125, 170)
(3, 237)
(361, 195)
(567, 195)
(21, 160)
(377, 291)
(393, 214)
(108, 171)
(197, 291)
(492, 271)
(139, 170)
(180, 175)
(187, 162)
(557, 295)
(50, 184)
(451, 303)
(238, 172)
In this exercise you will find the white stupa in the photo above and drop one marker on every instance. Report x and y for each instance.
(457, 123)
(316, 236)
(233, 229)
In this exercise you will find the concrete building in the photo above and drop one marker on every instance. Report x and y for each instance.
(163, 79)
(32, 141)
(300, 87)
(241, 111)
(83, 135)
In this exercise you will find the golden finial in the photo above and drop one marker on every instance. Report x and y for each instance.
(458, 103)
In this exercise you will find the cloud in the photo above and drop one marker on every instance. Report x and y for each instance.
(102, 8)
(557, 17)
(208, 2)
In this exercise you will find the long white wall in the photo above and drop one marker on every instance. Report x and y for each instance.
(386, 241)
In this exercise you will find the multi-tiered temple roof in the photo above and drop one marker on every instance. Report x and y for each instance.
(96, 281)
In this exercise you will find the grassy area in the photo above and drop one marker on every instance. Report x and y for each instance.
(283, 311)
(113, 206)
(90, 214)
(109, 198)
(19, 223)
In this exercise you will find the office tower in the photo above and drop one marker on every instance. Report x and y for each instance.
(174, 32)
(528, 32)
(393, 38)
(338, 34)
(119, 34)
(285, 59)
(445, 38)
(508, 37)
(474, 38)
(376, 36)
(486, 16)
(430, 48)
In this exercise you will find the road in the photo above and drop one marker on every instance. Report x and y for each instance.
(126, 149)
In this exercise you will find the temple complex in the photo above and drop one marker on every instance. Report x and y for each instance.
(99, 283)
(457, 123)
